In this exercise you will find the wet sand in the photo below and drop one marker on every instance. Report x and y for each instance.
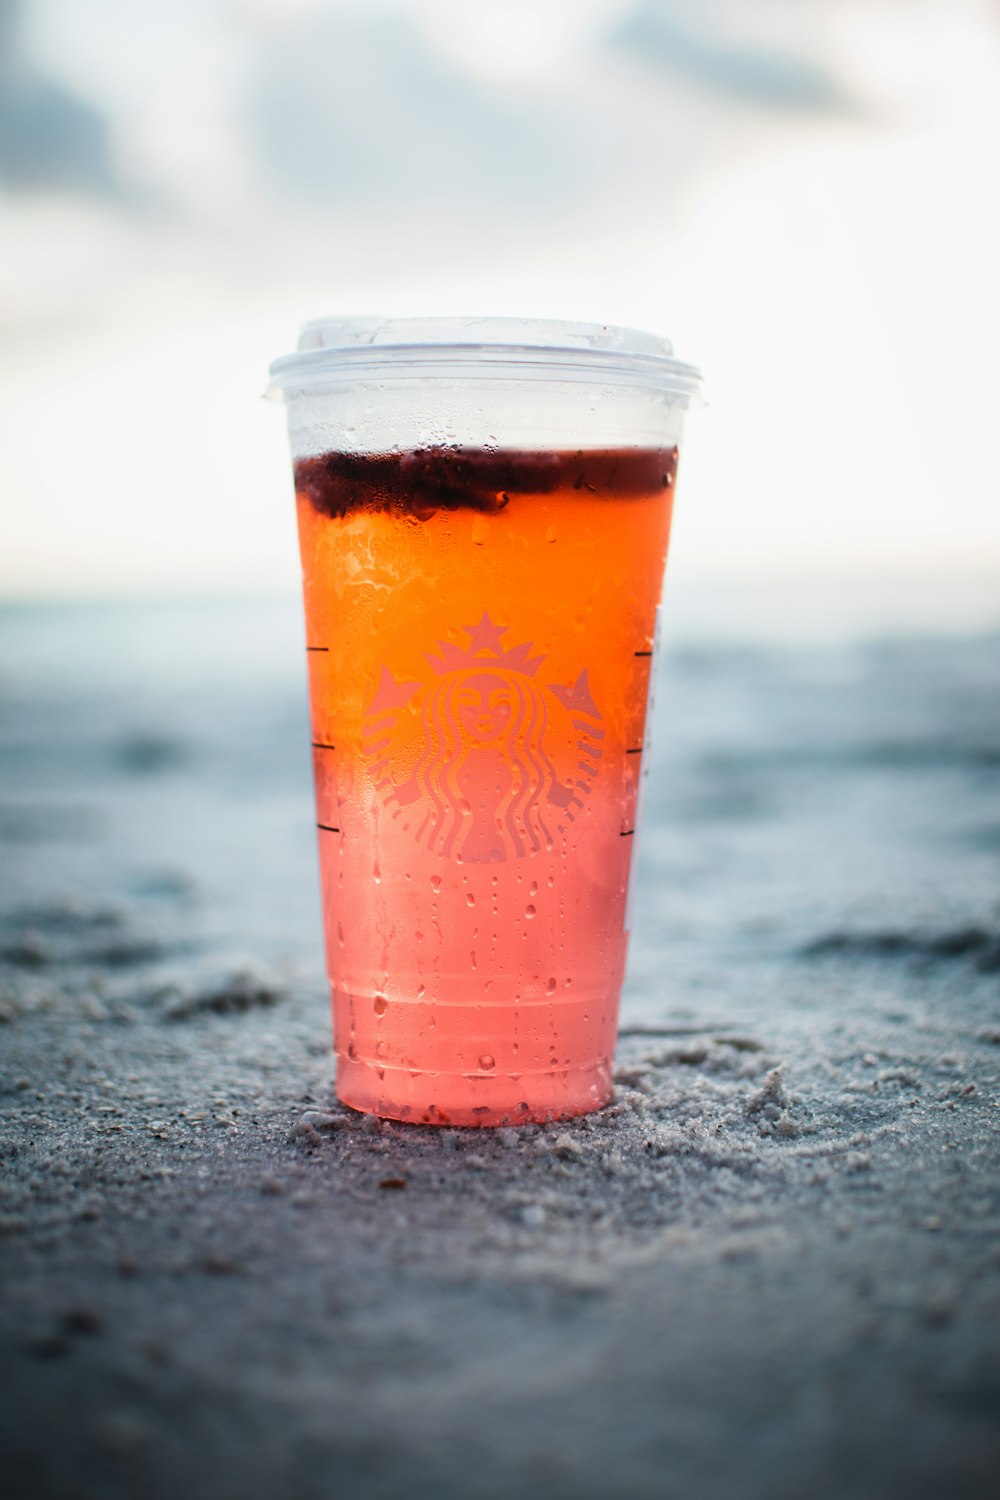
(771, 1266)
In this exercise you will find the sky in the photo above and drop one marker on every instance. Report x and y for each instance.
(799, 193)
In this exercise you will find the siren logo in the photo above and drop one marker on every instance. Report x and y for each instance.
(491, 760)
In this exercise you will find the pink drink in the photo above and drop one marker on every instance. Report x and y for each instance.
(479, 676)
(484, 510)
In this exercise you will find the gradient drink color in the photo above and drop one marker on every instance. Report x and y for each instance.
(480, 625)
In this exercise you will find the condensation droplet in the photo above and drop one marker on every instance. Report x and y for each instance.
(533, 888)
(550, 534)
(435, 882)
(421, 991)
(470, 899)
(529, 912)
(486, 1062)
(380, 1005)
(550, 988)
(377, 874)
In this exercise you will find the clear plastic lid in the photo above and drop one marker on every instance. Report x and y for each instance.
(335, 351)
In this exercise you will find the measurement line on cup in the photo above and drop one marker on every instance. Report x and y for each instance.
(322, 745)
(637, 653)
(317, 648)
(626, 833)
(635, 750)
(327, 827)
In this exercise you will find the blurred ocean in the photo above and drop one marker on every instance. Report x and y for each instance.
(824, 787)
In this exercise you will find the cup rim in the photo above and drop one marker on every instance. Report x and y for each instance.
(338, 351)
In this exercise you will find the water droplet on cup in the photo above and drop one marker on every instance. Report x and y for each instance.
(435, 882)
(550, 988)
(486, 1062)
(381, 1005)
(529, 912)
(470, 899)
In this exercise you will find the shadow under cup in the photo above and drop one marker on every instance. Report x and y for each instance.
(484, 510)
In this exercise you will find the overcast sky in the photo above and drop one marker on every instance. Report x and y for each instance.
(798, 192)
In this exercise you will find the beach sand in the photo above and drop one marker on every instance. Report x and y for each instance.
(771, 1267)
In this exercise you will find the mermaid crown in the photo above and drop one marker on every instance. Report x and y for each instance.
(484, 650)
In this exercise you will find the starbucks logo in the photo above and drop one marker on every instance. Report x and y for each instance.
(480, 757)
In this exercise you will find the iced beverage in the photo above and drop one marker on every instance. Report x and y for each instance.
(480, 627)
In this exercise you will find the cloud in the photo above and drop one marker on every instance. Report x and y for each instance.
(348, 112)
(48, 137)
(708, 42)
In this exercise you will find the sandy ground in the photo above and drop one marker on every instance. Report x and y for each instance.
(771, 1267)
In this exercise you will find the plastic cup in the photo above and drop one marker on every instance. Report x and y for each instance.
(484, 508)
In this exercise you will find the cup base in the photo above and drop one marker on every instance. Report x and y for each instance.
(460, 1099)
